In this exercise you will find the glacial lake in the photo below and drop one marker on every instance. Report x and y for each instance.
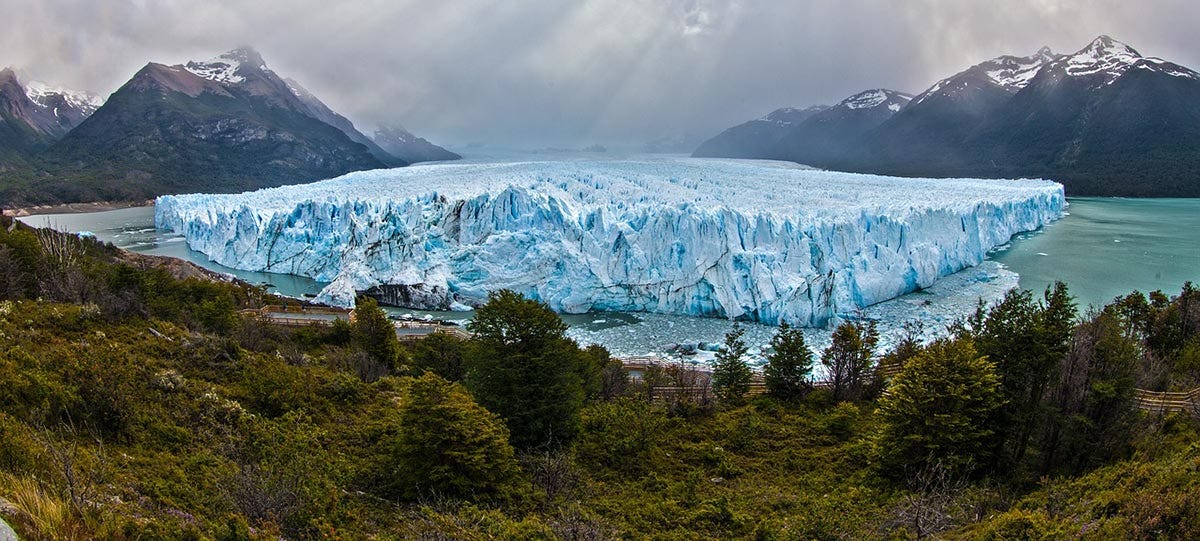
(1103, 248)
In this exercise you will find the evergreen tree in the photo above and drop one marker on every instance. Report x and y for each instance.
(449, 446)
(789, 366)
(731, 375)
(939, 409)
(521, 366)
(372, 332)
(441, 354)
(848, 359)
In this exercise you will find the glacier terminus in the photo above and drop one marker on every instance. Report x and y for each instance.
(753, 240)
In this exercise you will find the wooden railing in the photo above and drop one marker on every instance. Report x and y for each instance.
(1166, 402)
(428, 328)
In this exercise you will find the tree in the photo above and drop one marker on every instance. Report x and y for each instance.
(449, 446)
(731, 374)
(1027, 341)
(1092, 400)
(848, 358)
(441, 354)
(521, 366)
(789, 366)
(602, 376)
(939, 410)
(372, 332)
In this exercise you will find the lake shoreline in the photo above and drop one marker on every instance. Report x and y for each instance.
(75, 208)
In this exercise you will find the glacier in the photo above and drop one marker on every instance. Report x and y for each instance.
(753, 240)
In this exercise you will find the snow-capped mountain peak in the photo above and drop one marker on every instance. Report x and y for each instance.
(43, 94)
(1012, 73)
(875, 98)
(1109, 59)
(224, 68)
(1103, 55)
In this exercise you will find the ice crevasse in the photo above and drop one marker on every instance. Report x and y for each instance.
(764, 241)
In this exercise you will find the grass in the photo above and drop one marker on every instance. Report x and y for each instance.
(41, 514)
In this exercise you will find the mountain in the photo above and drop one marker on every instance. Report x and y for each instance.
(317, 109)
(1103, 121)
(400, 143)
(64, 108)
(926, 132)
(33, 115)
(227, 124)
(756, 138)
(826, 138)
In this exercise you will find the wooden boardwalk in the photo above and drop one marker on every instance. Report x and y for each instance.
(304, 316)
(637, 366)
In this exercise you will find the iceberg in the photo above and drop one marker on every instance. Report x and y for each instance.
(752, 240)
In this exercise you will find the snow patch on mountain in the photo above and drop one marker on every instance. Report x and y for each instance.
(42, 94)
(765, 241)
(1109, 59)
(1105, 55)
(874, 98)
(1012, 73)
(216, 70)
(224, 68)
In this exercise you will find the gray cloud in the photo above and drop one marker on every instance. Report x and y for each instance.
(532, 72)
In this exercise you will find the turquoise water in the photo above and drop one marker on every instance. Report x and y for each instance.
(133, 229)
(1107, 247)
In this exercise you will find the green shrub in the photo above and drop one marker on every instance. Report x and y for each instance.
(447, 445)
(940, 409)
(621, 436)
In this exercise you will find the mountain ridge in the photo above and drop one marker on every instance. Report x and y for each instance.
(229, 123)
(1104, 120)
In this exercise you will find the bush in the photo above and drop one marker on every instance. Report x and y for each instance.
(621, 436)
(18, 450)
(441, 354)
(940, 409)
(449, 446)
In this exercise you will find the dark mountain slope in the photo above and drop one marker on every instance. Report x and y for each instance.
(229, 124)
(927, 133)
(401, 143)
(756, 138)
(827, 138)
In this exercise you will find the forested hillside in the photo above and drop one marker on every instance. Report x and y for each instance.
(137, 401)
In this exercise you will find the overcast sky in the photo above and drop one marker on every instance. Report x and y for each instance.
(568, 73)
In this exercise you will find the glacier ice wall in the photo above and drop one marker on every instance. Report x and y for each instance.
(764, 241)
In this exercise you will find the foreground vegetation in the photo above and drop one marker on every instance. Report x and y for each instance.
(138, 405)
